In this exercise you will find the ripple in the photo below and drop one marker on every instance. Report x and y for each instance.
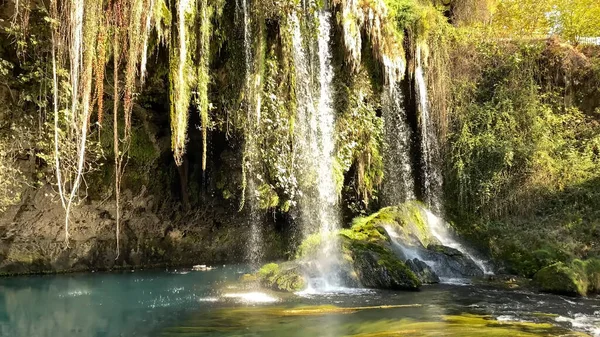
(583, 322)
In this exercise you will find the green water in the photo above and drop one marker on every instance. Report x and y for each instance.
(169, 303)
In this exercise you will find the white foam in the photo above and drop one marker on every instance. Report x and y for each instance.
(455, 281)
(590, 324)
(310, 292)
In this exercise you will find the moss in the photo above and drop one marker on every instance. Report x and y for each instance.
(592, 270)
(407, 219)
(378, 267)
(524, 261)
(364, 232)
(309, 246)
(284, 277)
(561, 279)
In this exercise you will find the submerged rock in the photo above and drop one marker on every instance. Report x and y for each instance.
(561, 279)
(422, 271)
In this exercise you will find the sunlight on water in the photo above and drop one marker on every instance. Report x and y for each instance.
(252, 297)
(312, 292)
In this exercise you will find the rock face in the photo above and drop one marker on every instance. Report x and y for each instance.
(422, 271)
(32, 236)
(451, 262)
(561, 279)
(378, 267)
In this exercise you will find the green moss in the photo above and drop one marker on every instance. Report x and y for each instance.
(284, 277)
(526, 262)
(407, 219)
(592, 270)
(378, 267)
(267, 197)
(561, 279)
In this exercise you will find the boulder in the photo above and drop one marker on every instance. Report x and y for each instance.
(561, 279)
(451, 262)
(422, 271)
(377, 267)
(282, 277)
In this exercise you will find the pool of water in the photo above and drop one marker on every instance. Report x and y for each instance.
(212, 303)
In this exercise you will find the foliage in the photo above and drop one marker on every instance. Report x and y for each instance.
(359, 137)
(12, 179)
(524, 19)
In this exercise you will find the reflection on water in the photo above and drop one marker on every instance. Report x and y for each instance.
(103, 304)
(212, 304)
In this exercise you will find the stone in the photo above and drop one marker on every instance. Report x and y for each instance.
(451, 262)
(422, 271)
(559, 278)
(378, 267)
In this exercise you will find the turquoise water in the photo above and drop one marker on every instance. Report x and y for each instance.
(211, 303)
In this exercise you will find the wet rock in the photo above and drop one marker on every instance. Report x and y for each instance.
(378, 267)
(422, 271)
(451, 262)
(286, 276)
(561, 279)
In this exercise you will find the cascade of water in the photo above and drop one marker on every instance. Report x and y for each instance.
(439, 230)
(432, 177)
(315, 145)
(328, 198)
(399, 184)
(254, 248)
(409, 253)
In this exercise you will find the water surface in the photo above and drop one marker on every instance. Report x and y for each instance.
(211, 303)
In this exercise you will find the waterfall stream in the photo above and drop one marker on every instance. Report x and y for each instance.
(399, 184)
(254, 249)
(315, 144)
(439, 230)
(432, 176)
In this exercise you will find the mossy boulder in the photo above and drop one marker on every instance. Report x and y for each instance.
(407, 220)
(378, 267)
(559, 278)
(282, 277)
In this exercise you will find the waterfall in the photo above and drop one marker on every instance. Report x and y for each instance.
(439, 230)
(408, 252)
(254, 244)
(254, 251)
(398, 185)
(315, 145)
(432, 177)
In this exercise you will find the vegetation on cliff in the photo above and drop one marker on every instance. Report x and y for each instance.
(195, 99)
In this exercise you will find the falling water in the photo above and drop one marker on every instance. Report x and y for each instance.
(439, 230)
(247, 40)
(399, 184)
(408, 252)
(429, 147)
(254, 249)
(316, 146)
